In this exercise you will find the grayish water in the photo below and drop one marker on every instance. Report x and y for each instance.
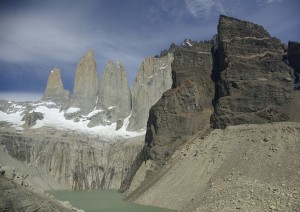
(102, 200)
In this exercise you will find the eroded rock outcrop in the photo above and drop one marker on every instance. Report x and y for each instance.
(55, 91)
(254, 85)
(153, 78)
(85, 90)
(31, 118)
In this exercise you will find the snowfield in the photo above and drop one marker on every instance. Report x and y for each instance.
(54, 118)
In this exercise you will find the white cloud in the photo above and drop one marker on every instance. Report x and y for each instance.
(20, 96)
(204, 8)
(263, 2)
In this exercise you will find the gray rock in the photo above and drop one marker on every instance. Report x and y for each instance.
(55, 91)
(85, 90)
(114, 90)
(153, 78)
(31, 118)
(74, 160)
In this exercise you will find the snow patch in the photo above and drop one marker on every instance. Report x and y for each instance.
(55, 118)
(165, 65)
(111, 107)
(94, 112)
(73, 110)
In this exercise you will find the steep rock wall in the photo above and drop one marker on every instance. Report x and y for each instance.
(254, 85)
(74, 160)
(55, 91)
(85, 89)
(114, 90)
(153, 78)
(184, 110)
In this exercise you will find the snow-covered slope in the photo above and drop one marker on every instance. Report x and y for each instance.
(54, 117)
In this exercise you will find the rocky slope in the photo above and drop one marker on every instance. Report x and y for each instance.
(241, 168)
(153, 78)
(55, 91)
(85, 89)
(17, 198)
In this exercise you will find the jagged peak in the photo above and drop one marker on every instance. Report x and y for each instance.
(55, 70)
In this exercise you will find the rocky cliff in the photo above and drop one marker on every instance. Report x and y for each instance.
(55, 91)
(184, 110)
(240, 79)
(85, 89)
(293, 55)
(114, 91)
(73, 160)
(153, 78)
(253, 84)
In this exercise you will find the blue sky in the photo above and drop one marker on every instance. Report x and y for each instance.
(37, 35)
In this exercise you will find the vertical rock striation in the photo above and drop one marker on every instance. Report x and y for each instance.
(55, 91)
(85, 90)
(153, 78)
(114, 90)
(253, 83)
(74, 160)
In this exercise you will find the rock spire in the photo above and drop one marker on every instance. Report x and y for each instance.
(85, 90)
(55, 91)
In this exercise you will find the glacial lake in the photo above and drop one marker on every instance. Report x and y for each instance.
(102, 200)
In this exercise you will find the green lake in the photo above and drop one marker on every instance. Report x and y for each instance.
(102, 200)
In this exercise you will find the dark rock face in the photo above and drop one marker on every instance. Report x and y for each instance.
(31, 118)
(254, 84)
(184, 110)
(293, 57)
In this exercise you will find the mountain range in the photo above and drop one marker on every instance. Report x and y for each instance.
(209, 126)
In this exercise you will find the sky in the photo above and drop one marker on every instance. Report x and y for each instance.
(37, 35)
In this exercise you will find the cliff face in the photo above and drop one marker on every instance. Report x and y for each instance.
(55, 91)
(254, 85)
(73, 160)
(185, 109)
(240, 79)
(114, 90)
(85, 90)
(293, 56)
(182, 111)
(153, 78)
